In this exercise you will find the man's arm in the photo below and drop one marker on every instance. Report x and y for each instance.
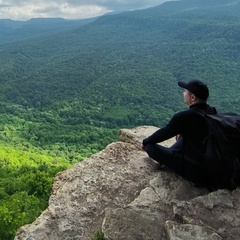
(173, 128)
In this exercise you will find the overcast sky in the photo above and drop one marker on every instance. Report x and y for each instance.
(69, 9)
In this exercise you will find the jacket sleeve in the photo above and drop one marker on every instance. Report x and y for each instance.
(172, 129)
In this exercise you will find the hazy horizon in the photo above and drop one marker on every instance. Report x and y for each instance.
(69, 9)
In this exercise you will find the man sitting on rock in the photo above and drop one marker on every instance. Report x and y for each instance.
(185, 156)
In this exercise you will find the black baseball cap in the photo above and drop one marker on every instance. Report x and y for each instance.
(198, 88)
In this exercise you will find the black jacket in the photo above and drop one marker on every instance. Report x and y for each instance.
(190, 125)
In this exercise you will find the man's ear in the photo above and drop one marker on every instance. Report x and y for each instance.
(193, 97)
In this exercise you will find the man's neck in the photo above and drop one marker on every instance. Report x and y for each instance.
(197, 102)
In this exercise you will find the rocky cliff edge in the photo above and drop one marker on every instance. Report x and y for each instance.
(121, 192)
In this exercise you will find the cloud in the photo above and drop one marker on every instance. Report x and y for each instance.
(69, 9)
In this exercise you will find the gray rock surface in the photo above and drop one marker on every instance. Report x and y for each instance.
(121, 192)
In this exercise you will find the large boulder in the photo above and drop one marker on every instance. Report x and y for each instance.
(121, 192)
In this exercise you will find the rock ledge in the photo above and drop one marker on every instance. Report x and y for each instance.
(121, 192)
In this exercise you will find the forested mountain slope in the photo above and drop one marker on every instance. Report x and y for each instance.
(135, 56)
(65, 92)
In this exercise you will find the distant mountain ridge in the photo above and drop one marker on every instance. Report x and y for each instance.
(167, 9)
(12, 30)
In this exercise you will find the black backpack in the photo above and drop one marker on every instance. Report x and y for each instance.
(222, 155)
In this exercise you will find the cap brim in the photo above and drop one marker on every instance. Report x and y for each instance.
(182, 85)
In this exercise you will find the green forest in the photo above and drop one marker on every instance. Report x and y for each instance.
(67, 91)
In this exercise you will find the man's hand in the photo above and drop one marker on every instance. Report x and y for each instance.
(177, 137)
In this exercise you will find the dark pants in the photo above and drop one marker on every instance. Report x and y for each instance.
(174, 159)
